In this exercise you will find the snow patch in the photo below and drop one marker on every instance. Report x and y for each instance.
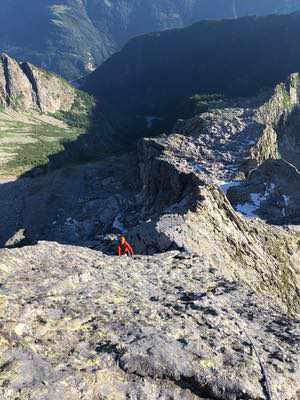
(199, 168)
(90, 65)
(151, 119)
(117, 224)
(225, 186)
(286, 201)
(249, 209)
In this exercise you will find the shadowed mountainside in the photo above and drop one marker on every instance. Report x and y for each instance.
(154, 73)
(73, 37)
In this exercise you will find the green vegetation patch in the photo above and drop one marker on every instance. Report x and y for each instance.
(295, 80)
(27, 145)
(286, 98)
(59, 13)
(80, 115)
(27, 141)
(199, 104)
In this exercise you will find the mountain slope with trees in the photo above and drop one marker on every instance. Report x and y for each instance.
(73, 37)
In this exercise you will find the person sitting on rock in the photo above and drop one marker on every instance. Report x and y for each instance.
(124, 247)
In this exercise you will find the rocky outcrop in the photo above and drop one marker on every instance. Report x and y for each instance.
(227, 143)
(25, 87)
(15, 87)
(190, 213)
(52, 92)
(80, 325)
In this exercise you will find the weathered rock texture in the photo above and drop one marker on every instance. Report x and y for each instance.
(183, 211)
(26, 87)
(231, 140)
(79, 325)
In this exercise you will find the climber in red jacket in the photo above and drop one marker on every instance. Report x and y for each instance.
(124, 247)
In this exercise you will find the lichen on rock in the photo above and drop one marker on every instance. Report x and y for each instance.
(79, 324)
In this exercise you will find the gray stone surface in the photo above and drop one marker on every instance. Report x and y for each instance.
(80, 325)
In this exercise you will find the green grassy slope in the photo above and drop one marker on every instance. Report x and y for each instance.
(27, 140)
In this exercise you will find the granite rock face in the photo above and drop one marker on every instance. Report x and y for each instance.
(80, 325)
(185, 210)
(231, 141)
(25, 87)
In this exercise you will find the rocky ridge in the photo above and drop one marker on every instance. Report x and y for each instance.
(188, 214)
(234, 142)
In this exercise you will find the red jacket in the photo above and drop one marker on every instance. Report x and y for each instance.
(125, 249)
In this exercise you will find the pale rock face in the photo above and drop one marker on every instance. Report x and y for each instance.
(295, 89)
(53, 93)
(25, 87)
(16, 90)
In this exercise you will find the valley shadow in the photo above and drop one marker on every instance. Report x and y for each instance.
(81, 197)
(65, 200)
(88, 194)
